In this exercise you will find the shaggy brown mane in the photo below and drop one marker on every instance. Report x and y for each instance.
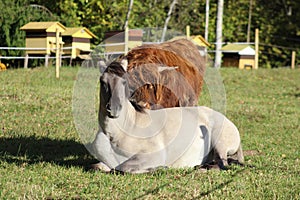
(184, 48)
(154, 86)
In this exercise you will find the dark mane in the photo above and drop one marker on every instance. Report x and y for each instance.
(137, 107)
(115, 68)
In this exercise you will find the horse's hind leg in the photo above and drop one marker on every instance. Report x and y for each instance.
(240, 155)
(224, 161)
(221, 158)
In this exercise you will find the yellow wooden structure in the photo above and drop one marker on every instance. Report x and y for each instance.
(115, 40)
(42, 35)
(78, 39)
(198, 40)
(238, 55)
(2, 66)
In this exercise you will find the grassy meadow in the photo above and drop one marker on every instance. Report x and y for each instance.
(41, 155)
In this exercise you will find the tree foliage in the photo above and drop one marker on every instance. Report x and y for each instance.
(14, 14)
(278, 30)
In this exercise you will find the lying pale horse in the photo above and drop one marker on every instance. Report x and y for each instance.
(153, 89)
(139, 142)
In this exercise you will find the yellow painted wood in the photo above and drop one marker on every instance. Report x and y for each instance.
(80, 32)
(49, 43)
(126, 39)
(46, 26)
(133, 44)
(78, 47)
(82, 46)
(256, 48)
(82, 35)
(234, 47)
(246, 63)
(57, 59)
(36, 43)
(293, 59)
(197, 39)
(188, 32)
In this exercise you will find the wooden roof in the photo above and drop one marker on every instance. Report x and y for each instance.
(197, 39)
(47, 26)
(241, 49)
(81, 32)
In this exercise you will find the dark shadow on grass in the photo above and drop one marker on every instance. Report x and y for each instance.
(33, 150)
(153, 191)
(220, 186)
(160, 187)
(204, 193)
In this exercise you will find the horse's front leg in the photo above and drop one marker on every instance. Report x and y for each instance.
(143, 163)
(101, 167)
(101, 149)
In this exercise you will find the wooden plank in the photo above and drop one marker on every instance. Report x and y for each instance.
(46, 60)
(293, 59)
(57, 60)
(188, 32)
(26, 61)
(256, 48)
(81, 40)
(126, 37)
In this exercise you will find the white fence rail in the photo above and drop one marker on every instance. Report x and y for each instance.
(29, 57)
(51, 49)
(31, 49)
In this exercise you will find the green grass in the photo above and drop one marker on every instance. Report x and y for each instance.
(41, 156)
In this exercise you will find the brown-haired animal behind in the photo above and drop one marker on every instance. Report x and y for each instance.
(165, 75)
(181, 47)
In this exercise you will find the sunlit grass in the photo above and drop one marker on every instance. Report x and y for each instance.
(41, 155)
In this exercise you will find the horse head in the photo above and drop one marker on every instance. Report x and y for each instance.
(113, 89)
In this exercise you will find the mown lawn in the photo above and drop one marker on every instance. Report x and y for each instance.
(41, 155)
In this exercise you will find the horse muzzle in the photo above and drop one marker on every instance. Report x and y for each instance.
(112, 112)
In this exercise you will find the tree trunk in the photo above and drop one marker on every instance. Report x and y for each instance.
(219, 34)
(167, 20)
(128, 14)
(206, 19)
(249, 21)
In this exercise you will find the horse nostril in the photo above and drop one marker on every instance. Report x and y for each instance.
(108, 106)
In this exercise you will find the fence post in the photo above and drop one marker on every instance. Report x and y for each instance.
(46, 60)
(256, 48)
(126, 39)
(26, 61)
(60, 53)
(57, 59)
(188, 32)
(293, 59)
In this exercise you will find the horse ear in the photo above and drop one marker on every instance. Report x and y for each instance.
(102, 66)
(124, 64)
